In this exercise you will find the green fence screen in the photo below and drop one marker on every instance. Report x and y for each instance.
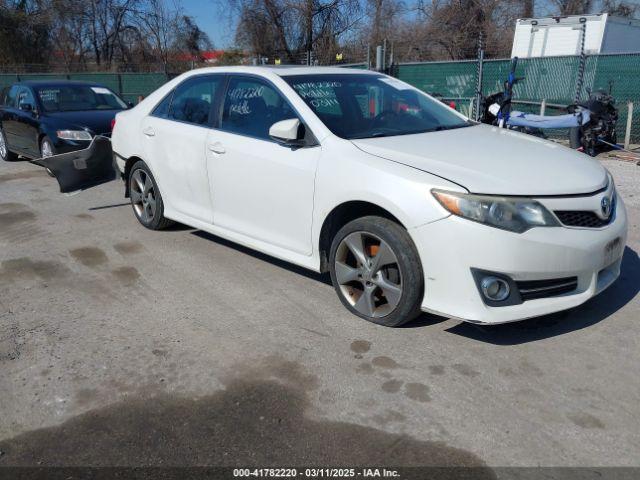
(552, 79)
(129, 85)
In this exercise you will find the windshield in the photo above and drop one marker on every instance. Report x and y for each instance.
(78, 98)
(367, 106)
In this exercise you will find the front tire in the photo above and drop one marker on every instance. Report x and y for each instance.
(146, 199)
(5, 154)
(47, 150)
(376, 271)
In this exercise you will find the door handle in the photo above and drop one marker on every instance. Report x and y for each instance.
(217, 148)
(149, 132)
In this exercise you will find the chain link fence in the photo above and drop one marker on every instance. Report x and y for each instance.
(551, 80)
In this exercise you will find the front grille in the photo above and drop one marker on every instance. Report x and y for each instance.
(582, 219)
(531, 290)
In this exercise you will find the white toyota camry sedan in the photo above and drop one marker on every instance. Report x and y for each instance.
(409, 205)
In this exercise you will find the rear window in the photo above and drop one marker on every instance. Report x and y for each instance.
(162, 109)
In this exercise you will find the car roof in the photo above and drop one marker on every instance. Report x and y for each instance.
(56, 83)
(287, 70)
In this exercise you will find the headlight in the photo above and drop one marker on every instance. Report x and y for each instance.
(513, 214)
(75, 135)
(612, 183)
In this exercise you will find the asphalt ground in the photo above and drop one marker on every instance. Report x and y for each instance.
(122, 346)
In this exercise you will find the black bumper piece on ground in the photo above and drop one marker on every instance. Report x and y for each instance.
(83, 169)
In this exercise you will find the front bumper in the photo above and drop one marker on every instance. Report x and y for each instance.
(82, 169)
(450, 248)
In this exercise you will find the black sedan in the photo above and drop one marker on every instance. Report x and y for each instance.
(44, 118)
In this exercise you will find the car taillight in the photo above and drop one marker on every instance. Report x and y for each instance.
(113, 124)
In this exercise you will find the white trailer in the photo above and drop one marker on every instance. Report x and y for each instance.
(554, 36)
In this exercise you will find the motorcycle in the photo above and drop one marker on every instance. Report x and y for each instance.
(591, 123)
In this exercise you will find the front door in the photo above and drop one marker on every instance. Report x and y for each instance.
(175, 144)
(27, 123)
(10, 121)
(260, 188)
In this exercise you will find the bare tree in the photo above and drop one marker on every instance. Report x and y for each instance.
(24, 34)
(383, 20)
(160, 25)
(68, 31)
(192, 38)
(528, 8)
(291, 28)
(107, 20)
(622, 8)
(573, 7)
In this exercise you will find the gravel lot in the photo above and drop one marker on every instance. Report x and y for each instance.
(121, 346)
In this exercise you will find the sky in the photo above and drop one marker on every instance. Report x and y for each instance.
(209, 18)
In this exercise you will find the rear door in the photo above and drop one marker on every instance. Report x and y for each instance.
(175, 145)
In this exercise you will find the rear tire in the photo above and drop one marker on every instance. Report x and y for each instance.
(376, 271)
(146, 199)
(5, 154)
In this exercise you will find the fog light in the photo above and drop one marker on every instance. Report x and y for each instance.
(495, 289)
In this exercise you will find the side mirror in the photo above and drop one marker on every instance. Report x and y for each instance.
(25, 107)
(287, 132)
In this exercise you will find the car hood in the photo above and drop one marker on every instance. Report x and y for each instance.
(490, 160)
(98, 121)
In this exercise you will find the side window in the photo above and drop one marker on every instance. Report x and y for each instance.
(162, 110)
(252, 106)
(12, 97)
(193, 99)
(25, 96)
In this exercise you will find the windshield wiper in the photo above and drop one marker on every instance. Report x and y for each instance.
(374, 135)
(439, 128)
(451, 127)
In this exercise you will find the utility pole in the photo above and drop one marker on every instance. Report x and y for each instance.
(384, 55)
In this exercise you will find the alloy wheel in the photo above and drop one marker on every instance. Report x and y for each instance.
(143, 196)
(47, 150)
(369, 274)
